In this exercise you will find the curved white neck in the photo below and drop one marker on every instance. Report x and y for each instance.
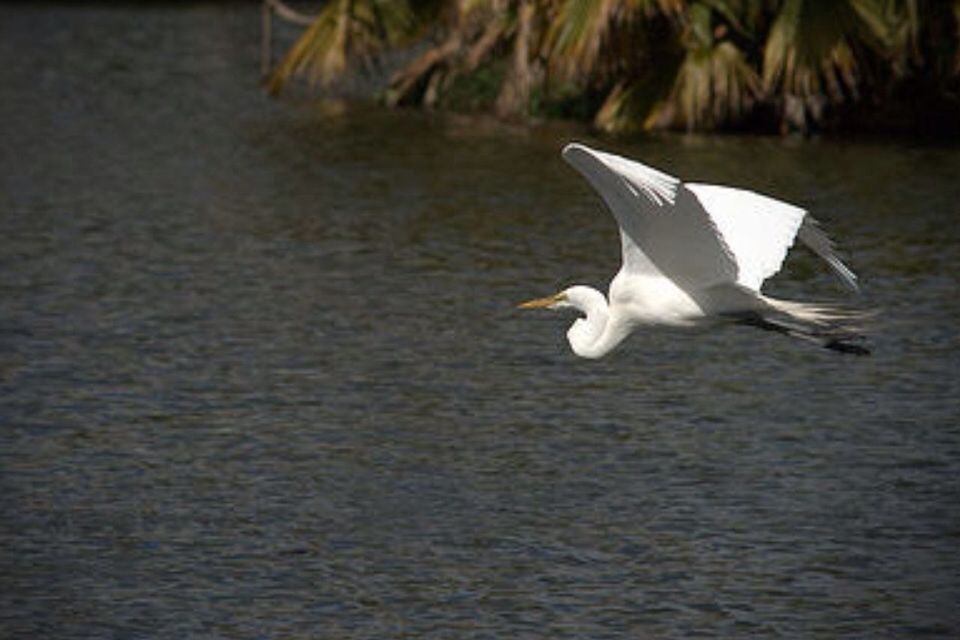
(595, 335)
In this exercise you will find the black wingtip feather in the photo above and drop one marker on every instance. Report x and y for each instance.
(845, 346)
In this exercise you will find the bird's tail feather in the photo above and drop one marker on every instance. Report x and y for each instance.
(832, 326)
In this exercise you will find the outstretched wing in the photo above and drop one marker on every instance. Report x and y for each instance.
(665, 231)
(699, 235)
(813, 236)
(759, 230)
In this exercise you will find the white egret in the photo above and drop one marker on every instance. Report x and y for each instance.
(696, 255)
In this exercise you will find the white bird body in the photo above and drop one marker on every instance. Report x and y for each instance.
(648, 299)
(694, 255)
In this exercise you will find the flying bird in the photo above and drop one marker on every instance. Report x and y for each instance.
(697, 255)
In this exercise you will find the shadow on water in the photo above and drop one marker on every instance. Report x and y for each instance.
(261, 374)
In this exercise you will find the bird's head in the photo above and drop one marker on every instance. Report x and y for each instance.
(577, 297)
(586, 333)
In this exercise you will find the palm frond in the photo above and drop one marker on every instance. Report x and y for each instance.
(345, 30)
(580, 31)
(693, 64)
(715, 86)
(633, 105)
(621, 112)
(742, 15)
(576, 34)
(809, 57)
(892, 29)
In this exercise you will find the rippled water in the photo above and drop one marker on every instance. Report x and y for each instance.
(261, 375)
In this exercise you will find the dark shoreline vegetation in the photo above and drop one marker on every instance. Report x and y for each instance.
(626, 66)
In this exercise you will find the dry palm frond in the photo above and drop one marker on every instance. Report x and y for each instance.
(630, 105)
(714, 86)
(742, 15)
(892, 29)
(810, 57)
(618, 114)
(345, 30)
(579, 33)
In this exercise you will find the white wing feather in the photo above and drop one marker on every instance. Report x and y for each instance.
(665, 231)
(813, 236)
(698, 235)
(757, 229)
(760, 230)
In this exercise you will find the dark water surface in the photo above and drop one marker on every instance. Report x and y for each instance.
(261, 375)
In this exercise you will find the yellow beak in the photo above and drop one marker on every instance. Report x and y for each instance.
(540, 303)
